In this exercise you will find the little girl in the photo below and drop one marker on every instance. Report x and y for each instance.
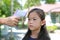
(36, 26)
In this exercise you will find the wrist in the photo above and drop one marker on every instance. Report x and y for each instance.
(3, 20)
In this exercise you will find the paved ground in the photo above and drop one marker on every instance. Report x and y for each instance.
(54, 36)
(18, 34)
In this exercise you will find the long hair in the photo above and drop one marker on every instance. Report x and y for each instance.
(43, 34)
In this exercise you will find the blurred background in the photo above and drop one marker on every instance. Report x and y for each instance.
(50, 7)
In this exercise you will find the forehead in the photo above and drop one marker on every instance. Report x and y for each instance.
(33, 14)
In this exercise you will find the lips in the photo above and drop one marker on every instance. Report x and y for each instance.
(30, 25)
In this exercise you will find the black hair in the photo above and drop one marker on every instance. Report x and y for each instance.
(43, 34)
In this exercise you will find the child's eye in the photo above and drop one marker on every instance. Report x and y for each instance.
(34, 19)
(28, 19)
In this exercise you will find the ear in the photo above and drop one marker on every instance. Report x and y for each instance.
(43, 22)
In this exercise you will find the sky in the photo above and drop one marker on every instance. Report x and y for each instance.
(22, 2)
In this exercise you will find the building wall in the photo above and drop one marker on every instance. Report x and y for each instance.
(55, 17)
(52, 18)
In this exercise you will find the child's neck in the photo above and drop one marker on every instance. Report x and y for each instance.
(35, 33)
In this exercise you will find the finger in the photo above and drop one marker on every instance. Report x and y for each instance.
(14, 23)
(17, 18)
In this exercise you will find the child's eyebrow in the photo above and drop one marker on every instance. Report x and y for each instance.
(33, 17)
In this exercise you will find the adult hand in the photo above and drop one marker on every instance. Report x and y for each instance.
(11, 21)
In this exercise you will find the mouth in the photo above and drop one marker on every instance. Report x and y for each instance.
(30, 25)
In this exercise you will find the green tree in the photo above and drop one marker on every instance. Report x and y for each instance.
(50, 1)
(30, 3)
(5, 7)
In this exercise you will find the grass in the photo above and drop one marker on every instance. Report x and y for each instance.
(51, 28)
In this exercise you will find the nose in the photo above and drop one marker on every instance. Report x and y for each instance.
(31, 21)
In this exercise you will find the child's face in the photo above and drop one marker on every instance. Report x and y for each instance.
(34, 21)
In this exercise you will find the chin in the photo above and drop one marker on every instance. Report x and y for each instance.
(31, 29)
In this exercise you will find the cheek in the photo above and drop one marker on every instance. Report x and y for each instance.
(38, 24)
(36, 27)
